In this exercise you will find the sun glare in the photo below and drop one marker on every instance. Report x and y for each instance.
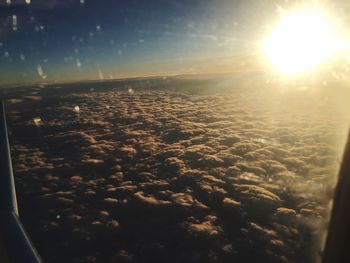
(302, 41)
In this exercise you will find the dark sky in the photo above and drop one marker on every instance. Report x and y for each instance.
(63, 40)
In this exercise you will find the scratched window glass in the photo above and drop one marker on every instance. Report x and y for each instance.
(175, 131)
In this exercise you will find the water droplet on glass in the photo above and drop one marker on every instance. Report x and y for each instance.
(14, 22)
(78, 63)
(41, 72)
(37, 121)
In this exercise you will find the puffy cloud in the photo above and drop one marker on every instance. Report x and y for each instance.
(230, 203)
(76, 178)
(258, 197)
(286, 215)
(173, 164)
(127, 152)
(244, 147)
(187, 200)
(92, 161)
(230, 140)
(110, 201)
(211, 161)
(251, 168)
(206, 228)
(150, 200)
(170, 152)
(198, 151)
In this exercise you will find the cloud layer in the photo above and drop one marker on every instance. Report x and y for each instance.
(174, 175)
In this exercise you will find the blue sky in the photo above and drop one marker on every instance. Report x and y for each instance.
(52, 40)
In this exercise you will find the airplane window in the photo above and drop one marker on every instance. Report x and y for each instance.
(175, 131)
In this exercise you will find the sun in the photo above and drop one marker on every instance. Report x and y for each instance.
(301, 41)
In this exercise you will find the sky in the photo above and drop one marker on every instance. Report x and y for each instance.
(69, 40)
